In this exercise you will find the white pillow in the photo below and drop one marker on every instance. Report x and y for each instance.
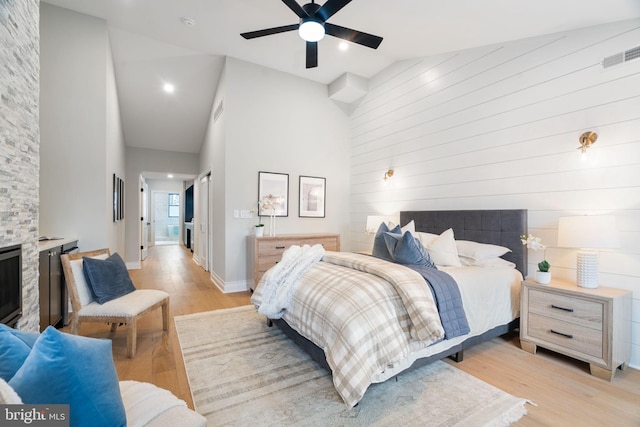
(410, 227)
(492, 262)
(425, 238)
(8, 395)
(479, 251)
(443, 251)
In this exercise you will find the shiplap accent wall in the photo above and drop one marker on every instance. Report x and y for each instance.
(497, 127)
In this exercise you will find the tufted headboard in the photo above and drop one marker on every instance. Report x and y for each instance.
(497, 227)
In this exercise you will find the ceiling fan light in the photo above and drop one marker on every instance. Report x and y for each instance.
(311, 31)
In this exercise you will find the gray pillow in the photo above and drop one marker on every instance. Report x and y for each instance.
(379, 246)
(406, 249)
(108, 279)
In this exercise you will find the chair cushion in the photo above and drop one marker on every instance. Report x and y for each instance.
(73, 370)
(108, 279)
(15, 346)
(84, 292)
(126, 306)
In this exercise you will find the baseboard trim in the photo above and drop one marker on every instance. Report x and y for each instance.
(135, 265)
(228, 287)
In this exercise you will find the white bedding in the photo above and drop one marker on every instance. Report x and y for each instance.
(491, 297)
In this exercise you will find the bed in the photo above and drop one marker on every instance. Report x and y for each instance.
(360, 348)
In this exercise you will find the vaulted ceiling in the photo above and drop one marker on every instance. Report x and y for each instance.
(152, 45)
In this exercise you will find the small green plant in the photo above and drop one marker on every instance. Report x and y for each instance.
(543, 266)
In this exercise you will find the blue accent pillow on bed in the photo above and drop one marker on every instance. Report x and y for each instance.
(15, 346)
(107, 278)
(406, 249)
(379, 246)
(73, 370)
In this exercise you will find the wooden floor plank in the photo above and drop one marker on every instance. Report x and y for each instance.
(562, 389)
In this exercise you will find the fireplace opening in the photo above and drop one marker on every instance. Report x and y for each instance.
(10, 284)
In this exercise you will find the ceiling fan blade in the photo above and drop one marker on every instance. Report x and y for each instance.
(312, 54)
(296, 8)
(330, 8)
(270, 31)
(365, 39)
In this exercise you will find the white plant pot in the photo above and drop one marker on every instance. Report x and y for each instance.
(543, 277)
(259, 231)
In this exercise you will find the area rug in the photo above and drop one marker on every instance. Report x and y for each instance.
(244, 373)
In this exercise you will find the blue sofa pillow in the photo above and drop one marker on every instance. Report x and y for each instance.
(73, 370)
(379, 246)
(15, 346)
(406, 249)
(107, 278)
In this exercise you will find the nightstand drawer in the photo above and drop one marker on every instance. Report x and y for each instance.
(568, 335)
(567, 309)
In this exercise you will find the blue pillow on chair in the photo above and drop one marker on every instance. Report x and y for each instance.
(73, 370)
(15, 346)
(107, 278)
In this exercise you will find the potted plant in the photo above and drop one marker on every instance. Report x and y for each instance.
(543, 275)
(259, 229)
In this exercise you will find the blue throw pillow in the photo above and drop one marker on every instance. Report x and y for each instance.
(406, 249)
(15, 346)
(107, 278)
(73, 370)
(379, 246)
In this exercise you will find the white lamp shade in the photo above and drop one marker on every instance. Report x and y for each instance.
(373, 222)
(588, 231)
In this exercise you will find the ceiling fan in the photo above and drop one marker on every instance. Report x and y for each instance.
(313, 26)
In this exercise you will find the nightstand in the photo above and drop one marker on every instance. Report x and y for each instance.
(592, 325)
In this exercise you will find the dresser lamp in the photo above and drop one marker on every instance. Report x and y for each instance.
(589, 234)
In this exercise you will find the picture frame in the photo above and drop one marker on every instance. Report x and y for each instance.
(116, 199)
(273, 194)
(121, 198)
(313, 192)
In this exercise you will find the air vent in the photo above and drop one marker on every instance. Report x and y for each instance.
(621, 57)
(218, 111)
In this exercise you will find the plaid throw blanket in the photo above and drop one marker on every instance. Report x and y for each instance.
(364, 313)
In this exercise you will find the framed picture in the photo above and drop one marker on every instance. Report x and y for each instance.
(121, 198)
(116, 190)
(273, 194)
(313, 192)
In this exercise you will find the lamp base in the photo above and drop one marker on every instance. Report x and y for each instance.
(587, 269)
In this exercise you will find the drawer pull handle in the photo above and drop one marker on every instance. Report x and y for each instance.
(570, 310)
(279, 247)
(562, 334)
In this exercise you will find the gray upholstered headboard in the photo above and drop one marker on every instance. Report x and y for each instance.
(497, 227)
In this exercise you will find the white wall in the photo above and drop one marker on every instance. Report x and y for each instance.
(81, 134)
(274, 122)
(498, 127)
(139, 160)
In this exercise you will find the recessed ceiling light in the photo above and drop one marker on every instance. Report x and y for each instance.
(169, 88)
(189, 22)
(169, 176)
(343, 46)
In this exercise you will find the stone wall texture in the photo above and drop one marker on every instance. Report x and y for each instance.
(20, 143)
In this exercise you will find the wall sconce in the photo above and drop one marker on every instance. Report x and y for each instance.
(586, 140)
(388, 174)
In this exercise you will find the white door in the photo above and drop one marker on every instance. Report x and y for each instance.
(203, 222)
(144, 219)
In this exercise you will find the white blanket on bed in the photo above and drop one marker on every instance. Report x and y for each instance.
(275, 291)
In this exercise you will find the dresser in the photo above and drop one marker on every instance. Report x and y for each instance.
(592, 325)
(265, 252)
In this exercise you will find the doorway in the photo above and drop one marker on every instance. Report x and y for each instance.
(166, 218)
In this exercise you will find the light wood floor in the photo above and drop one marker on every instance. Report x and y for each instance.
(562, 389)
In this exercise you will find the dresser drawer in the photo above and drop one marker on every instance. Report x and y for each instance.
(567, 309)
(568, 335)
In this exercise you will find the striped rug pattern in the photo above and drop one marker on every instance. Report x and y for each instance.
(243, 373)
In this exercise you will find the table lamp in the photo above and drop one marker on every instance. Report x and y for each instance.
(589, 233)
